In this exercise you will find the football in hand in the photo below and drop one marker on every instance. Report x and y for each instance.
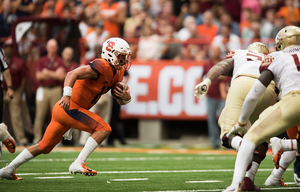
(114, 87)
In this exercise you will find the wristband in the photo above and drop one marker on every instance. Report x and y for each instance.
(67, 91)
(125, 102)
(10, 87)
(207, 81)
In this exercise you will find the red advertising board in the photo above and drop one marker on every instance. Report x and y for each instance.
(164, 90)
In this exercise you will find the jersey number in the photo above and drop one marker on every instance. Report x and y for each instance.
(252, 57)
(296, 60)
(110, 45)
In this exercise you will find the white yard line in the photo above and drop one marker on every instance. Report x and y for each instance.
(134, 179)
(133, 159)
(268, 189)
(207, 181)
(159, 171)
(61, 177)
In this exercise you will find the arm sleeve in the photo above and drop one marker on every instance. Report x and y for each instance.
(251, 101)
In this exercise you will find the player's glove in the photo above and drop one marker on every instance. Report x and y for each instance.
(68, 134)
(202, 88)
(238, 128)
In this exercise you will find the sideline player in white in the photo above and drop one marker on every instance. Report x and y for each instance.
(243, 67)
(282, 67)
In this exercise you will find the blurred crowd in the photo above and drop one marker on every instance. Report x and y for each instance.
(178, 29)
(155, 29)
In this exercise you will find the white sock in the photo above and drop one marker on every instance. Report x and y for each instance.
(289, 144)
(236, 142)
(286, 159)
(22, 158)
(243, 159)
(88, 148)
(252, 171)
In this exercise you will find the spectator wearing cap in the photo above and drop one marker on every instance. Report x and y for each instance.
(6, 18)
(50, 73)
(18, 71)
(98, 36)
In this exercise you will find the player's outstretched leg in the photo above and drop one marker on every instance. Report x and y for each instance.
(7, 139)
(26, 155)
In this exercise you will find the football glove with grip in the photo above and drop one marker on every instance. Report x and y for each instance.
(238, 128)
(68, 134)
(202, 88)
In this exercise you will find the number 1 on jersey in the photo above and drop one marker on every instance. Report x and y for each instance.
(296, 60)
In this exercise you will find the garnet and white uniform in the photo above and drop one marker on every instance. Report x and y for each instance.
(285, 66)
(245, 73)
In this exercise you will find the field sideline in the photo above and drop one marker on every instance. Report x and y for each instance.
(136, 169)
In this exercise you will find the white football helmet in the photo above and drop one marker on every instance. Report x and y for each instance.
(287, 36)
(116, 52)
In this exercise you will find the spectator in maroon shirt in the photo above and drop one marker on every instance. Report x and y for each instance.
(50, 73)
(17, 71)
(215, 100)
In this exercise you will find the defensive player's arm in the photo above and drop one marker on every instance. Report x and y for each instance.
(255, 93)
(83, 72)
(224, 67)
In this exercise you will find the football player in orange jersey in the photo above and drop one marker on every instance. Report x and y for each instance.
(83, 87)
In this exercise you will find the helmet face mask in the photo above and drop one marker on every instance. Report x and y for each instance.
(287, 36)
(117, 53)
(258, 48)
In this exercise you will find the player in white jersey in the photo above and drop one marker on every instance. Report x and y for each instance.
(282, 67)
(243, 67)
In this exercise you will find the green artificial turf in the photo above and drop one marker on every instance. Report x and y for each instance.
(137, 171)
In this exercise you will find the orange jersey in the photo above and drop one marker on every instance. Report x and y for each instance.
(110, 11)
(207, 32)
(87, 92)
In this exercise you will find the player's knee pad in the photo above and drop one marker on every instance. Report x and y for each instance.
(225, 141)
